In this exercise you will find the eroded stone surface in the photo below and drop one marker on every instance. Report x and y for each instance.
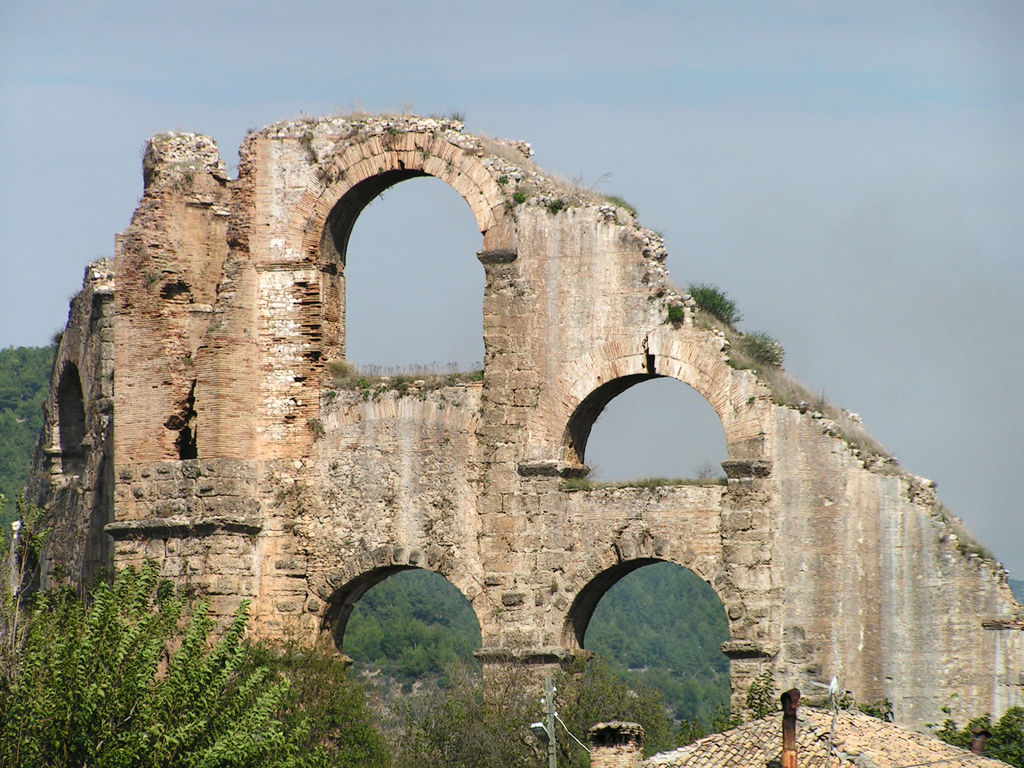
(215, 441)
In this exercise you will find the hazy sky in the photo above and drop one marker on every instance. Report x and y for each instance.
(851, 174)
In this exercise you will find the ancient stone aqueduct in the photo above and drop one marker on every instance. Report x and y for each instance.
(193, 418)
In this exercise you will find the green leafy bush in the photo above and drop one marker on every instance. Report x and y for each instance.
(676, 314)
(1006, 739)
(882, 709)
(322, 695)
(467, 724)
(556, 205)
(715, 302)
(588, 692)
(762, 349)
(132, 679)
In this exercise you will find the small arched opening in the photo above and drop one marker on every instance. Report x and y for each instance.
(658, 624)
(647, 427)
(407, 623)
(70, 419)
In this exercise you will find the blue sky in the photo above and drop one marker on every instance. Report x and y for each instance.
(852, 174)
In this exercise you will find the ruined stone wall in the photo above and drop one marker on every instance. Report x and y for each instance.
(247, 462)
(168, 262)
(72, 472)
(881, 585)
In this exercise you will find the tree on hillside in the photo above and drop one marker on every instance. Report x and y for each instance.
(478, 723)
(24, 381)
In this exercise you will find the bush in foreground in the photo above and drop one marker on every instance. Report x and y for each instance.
(473, 723)
(133, 678)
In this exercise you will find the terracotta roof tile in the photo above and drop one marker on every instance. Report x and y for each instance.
(859, 741)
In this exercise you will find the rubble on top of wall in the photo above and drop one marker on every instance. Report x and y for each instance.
(173, 156)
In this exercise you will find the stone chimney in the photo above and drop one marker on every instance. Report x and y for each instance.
(616, 745)
(978, 738)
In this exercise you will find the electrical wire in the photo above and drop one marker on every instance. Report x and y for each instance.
(566, 727)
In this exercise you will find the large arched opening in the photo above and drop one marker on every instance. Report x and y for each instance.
(658, 624)
(647, 428)
(404, 623)
(413, 289)
(404, 306)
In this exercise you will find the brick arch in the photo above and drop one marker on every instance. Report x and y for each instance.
(589, 582)
(594, 380)
(368, 167)
(342, 589)
(344, 183)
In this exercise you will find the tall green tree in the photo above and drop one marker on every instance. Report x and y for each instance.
(321, 694)
(134, 678)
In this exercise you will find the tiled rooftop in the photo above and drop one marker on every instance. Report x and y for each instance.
(859, 741)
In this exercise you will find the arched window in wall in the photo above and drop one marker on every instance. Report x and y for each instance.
(411, 625)
(413, 287)
(660, 625)
(659, 428)
(70, 418)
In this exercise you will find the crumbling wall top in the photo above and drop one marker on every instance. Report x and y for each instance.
(176, 156)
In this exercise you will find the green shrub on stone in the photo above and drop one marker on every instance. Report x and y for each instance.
(715, 302)
(762, 695)
(762, 349)
(676, 314)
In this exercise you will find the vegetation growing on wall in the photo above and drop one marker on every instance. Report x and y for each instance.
(586, 484)
(715, 302)
(373, 383)
(762, 354)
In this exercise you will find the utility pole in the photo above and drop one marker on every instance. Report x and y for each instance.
(15, 582)
(549, 712)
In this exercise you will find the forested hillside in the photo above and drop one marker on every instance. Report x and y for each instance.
(664, 627)
(24, 379)
(661, 627)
